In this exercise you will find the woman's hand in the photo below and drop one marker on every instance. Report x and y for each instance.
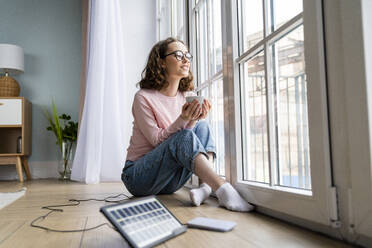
(191, 111)
(205, 109)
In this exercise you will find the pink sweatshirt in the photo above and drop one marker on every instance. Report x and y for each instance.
(156, 117)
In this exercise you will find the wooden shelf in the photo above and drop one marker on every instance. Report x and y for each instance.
(10, 154)
(10, 126)
(16, 121)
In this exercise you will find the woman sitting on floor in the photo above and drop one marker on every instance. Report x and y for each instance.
(169, 141)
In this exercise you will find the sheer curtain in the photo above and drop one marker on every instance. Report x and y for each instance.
(105, 123)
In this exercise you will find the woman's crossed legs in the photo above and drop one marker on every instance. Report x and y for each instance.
(167, 168)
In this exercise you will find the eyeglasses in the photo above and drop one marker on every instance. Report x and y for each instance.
(180, 56)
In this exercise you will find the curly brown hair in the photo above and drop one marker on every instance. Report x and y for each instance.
(153, 76)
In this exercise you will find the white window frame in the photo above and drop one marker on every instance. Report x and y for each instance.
(320, 205)
(357, 67)
(356, 201)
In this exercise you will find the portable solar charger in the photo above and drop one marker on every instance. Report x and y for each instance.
(144, 222)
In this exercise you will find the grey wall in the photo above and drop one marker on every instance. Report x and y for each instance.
(49, 31)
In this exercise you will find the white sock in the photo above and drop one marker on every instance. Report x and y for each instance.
(229, 198)
(199, 195)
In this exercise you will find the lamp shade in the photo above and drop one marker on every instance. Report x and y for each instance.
(11, 59)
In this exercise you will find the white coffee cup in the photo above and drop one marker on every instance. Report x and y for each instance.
(189, 99)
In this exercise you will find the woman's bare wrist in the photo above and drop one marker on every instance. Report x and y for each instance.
(184, 118)
(192, 122)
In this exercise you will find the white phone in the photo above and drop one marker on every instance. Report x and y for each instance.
(211, 224)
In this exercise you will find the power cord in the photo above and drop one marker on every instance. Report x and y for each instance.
(75, 202)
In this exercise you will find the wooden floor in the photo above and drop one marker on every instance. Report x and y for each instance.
(252, 230)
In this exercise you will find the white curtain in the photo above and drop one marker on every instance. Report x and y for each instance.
(106, 121)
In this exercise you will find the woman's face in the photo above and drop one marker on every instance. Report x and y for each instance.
(173, 66)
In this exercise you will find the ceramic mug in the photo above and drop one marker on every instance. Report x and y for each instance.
(189, 99)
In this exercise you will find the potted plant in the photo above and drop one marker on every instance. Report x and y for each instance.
(65, 131)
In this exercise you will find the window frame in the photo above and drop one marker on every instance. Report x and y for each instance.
(264, 46)
(320, 205)
(352, 156)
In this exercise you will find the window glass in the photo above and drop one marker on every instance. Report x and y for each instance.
(251, 17)
(284, 10)
(217, 122)
(164, 19)
(214, 27)
(202, 43)
(255, 137)
(293, 135)
(179, 21)
(209, 70)
(286, 126)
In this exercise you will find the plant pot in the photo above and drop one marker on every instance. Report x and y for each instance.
(65, 160)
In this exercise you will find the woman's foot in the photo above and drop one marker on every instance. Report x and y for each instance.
(229, 198)
(199, 195)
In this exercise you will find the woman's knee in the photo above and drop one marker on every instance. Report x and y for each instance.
(184, 143)
(202, 126)
(185, 140)
(185, 135)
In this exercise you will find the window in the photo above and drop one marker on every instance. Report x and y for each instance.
(206, 15)
(292, 117)
(266, 67)
(172, 19)
(263, 60)
(273, 84)
(274, 65)
(179, 20)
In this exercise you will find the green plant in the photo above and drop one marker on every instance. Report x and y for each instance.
(66, 134)
(65, 130)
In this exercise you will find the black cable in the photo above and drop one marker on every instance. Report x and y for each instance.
(64, 231)
(75, 202)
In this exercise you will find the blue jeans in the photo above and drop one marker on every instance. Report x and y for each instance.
(168, 166)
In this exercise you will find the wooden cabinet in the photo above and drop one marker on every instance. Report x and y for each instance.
(15, 133)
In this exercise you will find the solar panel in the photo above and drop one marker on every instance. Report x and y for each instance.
(144, 222)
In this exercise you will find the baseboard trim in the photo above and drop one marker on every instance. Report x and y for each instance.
(318, 228)
(38, 170)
